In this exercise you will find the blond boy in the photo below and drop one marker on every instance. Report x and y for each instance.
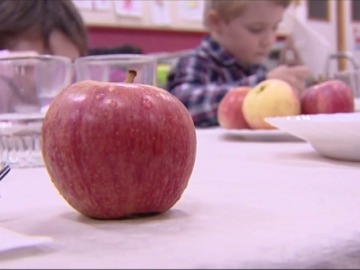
(241, 35)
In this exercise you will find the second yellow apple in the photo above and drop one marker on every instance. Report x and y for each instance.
(270, 98)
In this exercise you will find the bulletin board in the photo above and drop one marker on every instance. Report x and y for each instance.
(180, 15)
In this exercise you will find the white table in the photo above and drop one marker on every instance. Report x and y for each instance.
(250, 203)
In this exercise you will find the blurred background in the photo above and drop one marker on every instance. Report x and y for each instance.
(313, 31)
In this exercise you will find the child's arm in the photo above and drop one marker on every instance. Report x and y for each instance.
(193, 86)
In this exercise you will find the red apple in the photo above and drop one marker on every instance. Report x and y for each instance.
(331, 96)
(117, 150)
(230, 113)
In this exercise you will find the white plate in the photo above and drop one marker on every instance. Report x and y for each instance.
(256, 132)
(260, 134)
(332, 135)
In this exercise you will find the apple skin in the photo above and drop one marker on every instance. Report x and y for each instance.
(270, 98)
(230, 113)
(118, 150)
(331, 96)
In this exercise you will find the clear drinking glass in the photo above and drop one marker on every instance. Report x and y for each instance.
(27, 86)
(113, 68)
(352, 79)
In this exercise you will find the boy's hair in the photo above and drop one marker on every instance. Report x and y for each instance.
(42, 16)
(230, 9)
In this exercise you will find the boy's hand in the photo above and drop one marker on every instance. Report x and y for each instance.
(296, 76)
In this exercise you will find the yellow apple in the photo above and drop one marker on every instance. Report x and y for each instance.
(270, 98)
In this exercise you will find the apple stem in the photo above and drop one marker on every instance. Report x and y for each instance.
(130, 76)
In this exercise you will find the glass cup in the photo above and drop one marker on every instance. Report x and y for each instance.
(27, 86)
(352, 79)
(113, 68)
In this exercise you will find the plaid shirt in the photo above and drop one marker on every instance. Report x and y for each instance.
(202, 78)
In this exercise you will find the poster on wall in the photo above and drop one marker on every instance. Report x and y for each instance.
(83, 4)
(356, 38)
(132, 8)
(103, 5)
(191, 10)
(160, 11)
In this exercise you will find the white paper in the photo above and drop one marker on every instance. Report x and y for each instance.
(133, 8)
(313, 48)
(191, 10)
(160, 12)
(12, 240)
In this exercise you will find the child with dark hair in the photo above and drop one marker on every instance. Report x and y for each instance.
(121, 49)
(37, 27)
(43, 26)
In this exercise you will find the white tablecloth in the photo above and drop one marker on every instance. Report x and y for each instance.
(252, 202)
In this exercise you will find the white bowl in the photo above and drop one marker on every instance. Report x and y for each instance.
(334, 136)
